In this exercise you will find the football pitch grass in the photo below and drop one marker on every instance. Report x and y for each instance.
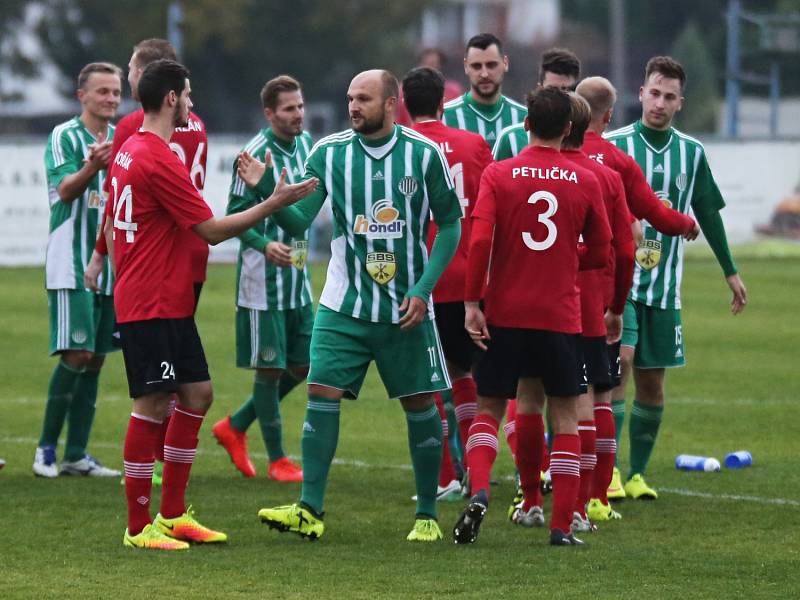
(709, 535)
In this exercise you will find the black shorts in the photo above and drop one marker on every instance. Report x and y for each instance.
(162, 354)
(614, 367)
(458, 347)
(595, 357)
(553, 357)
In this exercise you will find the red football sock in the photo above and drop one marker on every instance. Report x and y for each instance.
(510, 428)
(446, 473)
(565, 471)
(162, 436)
(530, 446)
(179, 450)
(138, 459)
(588, 435)
(465, 401)
(481, 452)
(606, 451)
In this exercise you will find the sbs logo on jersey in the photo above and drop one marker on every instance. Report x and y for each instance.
(648, 254)
(383, 222)
(381, 266)
(299, 254)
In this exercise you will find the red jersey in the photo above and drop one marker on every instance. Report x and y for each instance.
(190, 144)
(642, 201)
(467, 155)
(540, 204)
(154, 205)
(599, 287)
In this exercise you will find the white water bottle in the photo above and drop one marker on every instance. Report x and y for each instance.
(689, 462)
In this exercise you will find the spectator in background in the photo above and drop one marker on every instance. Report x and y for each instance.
(435, 59)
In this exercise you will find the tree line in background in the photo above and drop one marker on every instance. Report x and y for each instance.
(233, 46)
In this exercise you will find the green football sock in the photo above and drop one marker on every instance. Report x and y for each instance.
(452, 426)
(81, 414)
(425, 444)
(320, 436)
(618, 408)
(59, 396)
(267, 405)
(644, 424)
(244, 417)
(286, 384)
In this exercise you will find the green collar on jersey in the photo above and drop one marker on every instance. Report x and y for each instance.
(487, 110)
(656, 138)
(380, 142)
(287, 147)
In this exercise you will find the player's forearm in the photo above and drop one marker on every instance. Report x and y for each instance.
(667, 220)
(72, 186)
(293, 220)
(711, 224)
(623, 275)
(252, 237)
(108, 235)
(480, 249)
(101, 244)
(216, 230)
(444, 247)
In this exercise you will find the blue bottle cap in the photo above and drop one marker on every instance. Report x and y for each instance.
(738, 459)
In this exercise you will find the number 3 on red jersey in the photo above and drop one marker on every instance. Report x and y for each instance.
(123, 201)
(544, 219)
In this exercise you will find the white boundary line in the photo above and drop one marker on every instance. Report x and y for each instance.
(366, 465)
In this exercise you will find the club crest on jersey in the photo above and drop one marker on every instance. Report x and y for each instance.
(408, 186)
(681, 180)
(664, 199)
(382, 224)
(299, 254)
(648, 254)
(381, 266)
(95, 200)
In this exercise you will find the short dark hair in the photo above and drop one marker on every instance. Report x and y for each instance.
(153, 49)
(548, 112)
(391, 89)
(159, 79)
(275, 87)
(97, 67)
(423, 90)
(580, 114)
(665, 66)
(482, 41)
(561, 62)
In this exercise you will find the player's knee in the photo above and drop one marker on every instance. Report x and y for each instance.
(496, 407)
(77, 359)
(299, 372)
(417, 401)
(267, 375)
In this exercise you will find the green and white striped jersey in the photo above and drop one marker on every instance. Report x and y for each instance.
(260, 284)
(73, 225)
(382, 194)
(487, 121)
(675, 166)
(510, 142)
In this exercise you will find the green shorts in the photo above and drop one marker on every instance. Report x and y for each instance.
(273, 339)
(81, 320)
(655, 333)
(409, 362)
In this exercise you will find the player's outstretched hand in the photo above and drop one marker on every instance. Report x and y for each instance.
(613, 327)
(92, 272)
(475, 324)
(279, 254)
(250, 169)
(285, 194)
(739, 293)
(414, 310)
(692, 235)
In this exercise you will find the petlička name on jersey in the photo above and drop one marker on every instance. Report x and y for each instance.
(552, 173)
